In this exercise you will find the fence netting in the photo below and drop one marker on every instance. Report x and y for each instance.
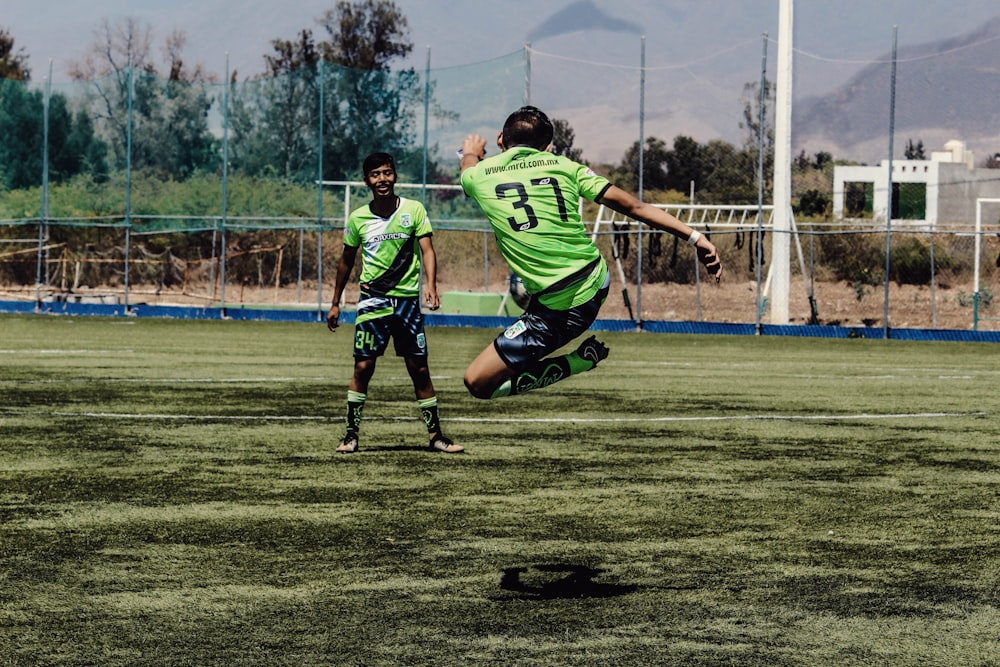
(135, 188)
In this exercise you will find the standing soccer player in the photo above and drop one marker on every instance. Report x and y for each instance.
(530, 197)
(391, 229)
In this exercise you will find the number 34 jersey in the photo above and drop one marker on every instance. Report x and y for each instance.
(531, 199)
(391, 266)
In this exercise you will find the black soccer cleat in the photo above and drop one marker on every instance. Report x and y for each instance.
(441, 443)
(349, 445)
(592, 350)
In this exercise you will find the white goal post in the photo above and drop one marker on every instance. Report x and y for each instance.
(976, 262)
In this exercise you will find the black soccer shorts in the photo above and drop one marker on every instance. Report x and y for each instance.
(380, 318)
(541, 331)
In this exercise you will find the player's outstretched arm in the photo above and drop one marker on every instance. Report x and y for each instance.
(627, 204)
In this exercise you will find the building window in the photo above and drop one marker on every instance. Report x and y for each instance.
(858, 199)
(909, 201)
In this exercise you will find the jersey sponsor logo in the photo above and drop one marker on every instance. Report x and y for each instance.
(514, 330)
(375, 240)
(516, 166)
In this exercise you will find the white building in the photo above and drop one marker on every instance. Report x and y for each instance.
(947, 184)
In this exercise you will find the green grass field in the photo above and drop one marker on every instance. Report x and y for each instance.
(169, 495)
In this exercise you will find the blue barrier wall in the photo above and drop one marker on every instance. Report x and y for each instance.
(492, 322)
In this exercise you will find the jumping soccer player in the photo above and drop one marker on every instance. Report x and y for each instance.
(530, 197)
(391, 229)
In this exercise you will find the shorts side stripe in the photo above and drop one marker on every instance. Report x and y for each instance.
(373, 315)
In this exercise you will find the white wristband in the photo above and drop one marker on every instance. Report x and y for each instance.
(695, 235)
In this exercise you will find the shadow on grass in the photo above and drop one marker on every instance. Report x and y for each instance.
(402, 447)
(554, 581)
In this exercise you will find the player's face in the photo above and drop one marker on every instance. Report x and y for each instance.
(381, 180)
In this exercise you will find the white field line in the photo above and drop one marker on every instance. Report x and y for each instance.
(28, 353)
(165, 380)
(709, 418)
(500, 420)
(247, 380)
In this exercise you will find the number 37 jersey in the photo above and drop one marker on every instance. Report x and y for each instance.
(531, 199)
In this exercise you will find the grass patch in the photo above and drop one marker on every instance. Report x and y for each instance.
(169, 494)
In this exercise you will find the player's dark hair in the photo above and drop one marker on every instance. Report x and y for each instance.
(528, 126)
(376, 160)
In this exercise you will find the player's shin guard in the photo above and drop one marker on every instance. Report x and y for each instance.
(542, 373)
(429, 413)
(355, 406)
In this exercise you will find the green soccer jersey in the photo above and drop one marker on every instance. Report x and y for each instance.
(531, 199)
(390, 262)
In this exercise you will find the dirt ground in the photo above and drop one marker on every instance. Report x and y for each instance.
(835, 304)
(732, 301)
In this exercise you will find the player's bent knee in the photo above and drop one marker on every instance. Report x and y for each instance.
(477, 389)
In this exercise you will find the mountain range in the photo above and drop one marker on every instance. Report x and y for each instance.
(947, 89)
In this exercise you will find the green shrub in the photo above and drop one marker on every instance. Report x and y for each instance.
(813, 204)
(854, 257)
(967, 300)
(910, 262)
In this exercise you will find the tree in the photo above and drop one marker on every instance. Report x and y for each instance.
(729, 173)
(821, 160)
(366, 106)
(13, 63)
(801, 162)
(20, 135)
(655, 165)
(992, 162)
(112, 57)
(721, 172)
(759, 144)
(813, 203)
(915, 151)
(365, 35)
(812, 188)
(372, 108)
(274, 118)
(685, 165)
(562, 140)
(169, 114)
(73, 146)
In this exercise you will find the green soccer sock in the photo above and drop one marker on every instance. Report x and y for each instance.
(578, 364)
(539, 374)
(355, 406)
(429, 413)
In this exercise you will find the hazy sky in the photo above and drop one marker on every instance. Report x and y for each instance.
(475, 30)
(703, 51)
